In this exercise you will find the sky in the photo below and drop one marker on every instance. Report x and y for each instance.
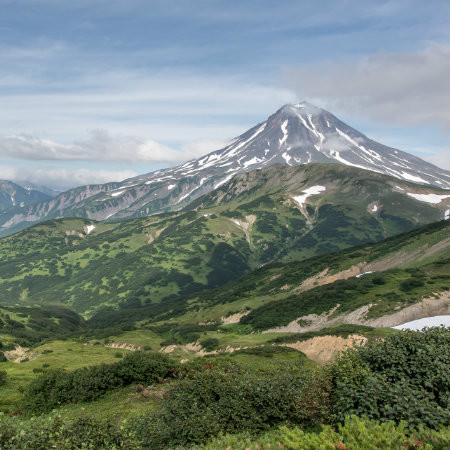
(97, 91)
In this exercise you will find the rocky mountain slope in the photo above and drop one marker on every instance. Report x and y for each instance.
(11, 195)
(277, 213)
(294, 135)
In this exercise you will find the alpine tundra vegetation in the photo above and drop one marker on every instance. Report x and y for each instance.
(198, 247)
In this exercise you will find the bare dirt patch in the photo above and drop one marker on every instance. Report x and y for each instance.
(324, 348)
(20, 354)
(124, 346)
(234, 318)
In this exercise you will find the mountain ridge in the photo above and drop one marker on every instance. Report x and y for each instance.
(13, 194)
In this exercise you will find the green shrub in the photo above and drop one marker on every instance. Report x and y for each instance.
(57, 387)
(2, 357)
(54, 432)
(354, 434)
(213, 402)
(410, 284)
(210, 344)
(405, 377)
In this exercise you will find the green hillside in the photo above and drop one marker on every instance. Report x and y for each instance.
(422, 254)
(248, 222)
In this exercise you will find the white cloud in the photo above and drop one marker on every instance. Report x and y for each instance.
(409, 89)
(62, 179)
(100, 146)
(170, 108)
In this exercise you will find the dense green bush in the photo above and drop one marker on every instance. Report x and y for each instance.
(88, 433)
(405, 377)
(354, 434)
(57, 387)
(2, 357)
(217, 401)
(54, 432)
(210, 344)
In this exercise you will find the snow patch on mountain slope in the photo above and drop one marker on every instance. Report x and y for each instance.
(408, 176)
(313, 190)
(362, 274)
(223, 181)
(287, 158)
(187, 194)
(419, 324)
(429, 198)
(285, 133)
(89, 228)
(252, 161)
(337, 156)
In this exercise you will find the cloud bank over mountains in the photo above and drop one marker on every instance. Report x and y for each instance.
(61, 178)
(394, 89)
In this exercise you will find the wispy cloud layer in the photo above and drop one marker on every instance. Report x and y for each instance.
(62, 179)
(406, 89)
(101, 146)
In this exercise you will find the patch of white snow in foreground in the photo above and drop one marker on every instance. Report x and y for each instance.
(374, 208)
(300, 199)
(429, 198)
(418, 324)
(89, 228)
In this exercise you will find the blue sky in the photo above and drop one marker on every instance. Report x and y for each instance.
(93, 91)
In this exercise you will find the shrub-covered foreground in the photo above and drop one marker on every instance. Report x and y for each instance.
(354, 434)
(87, 433)
(399, 385)
(230, 400)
